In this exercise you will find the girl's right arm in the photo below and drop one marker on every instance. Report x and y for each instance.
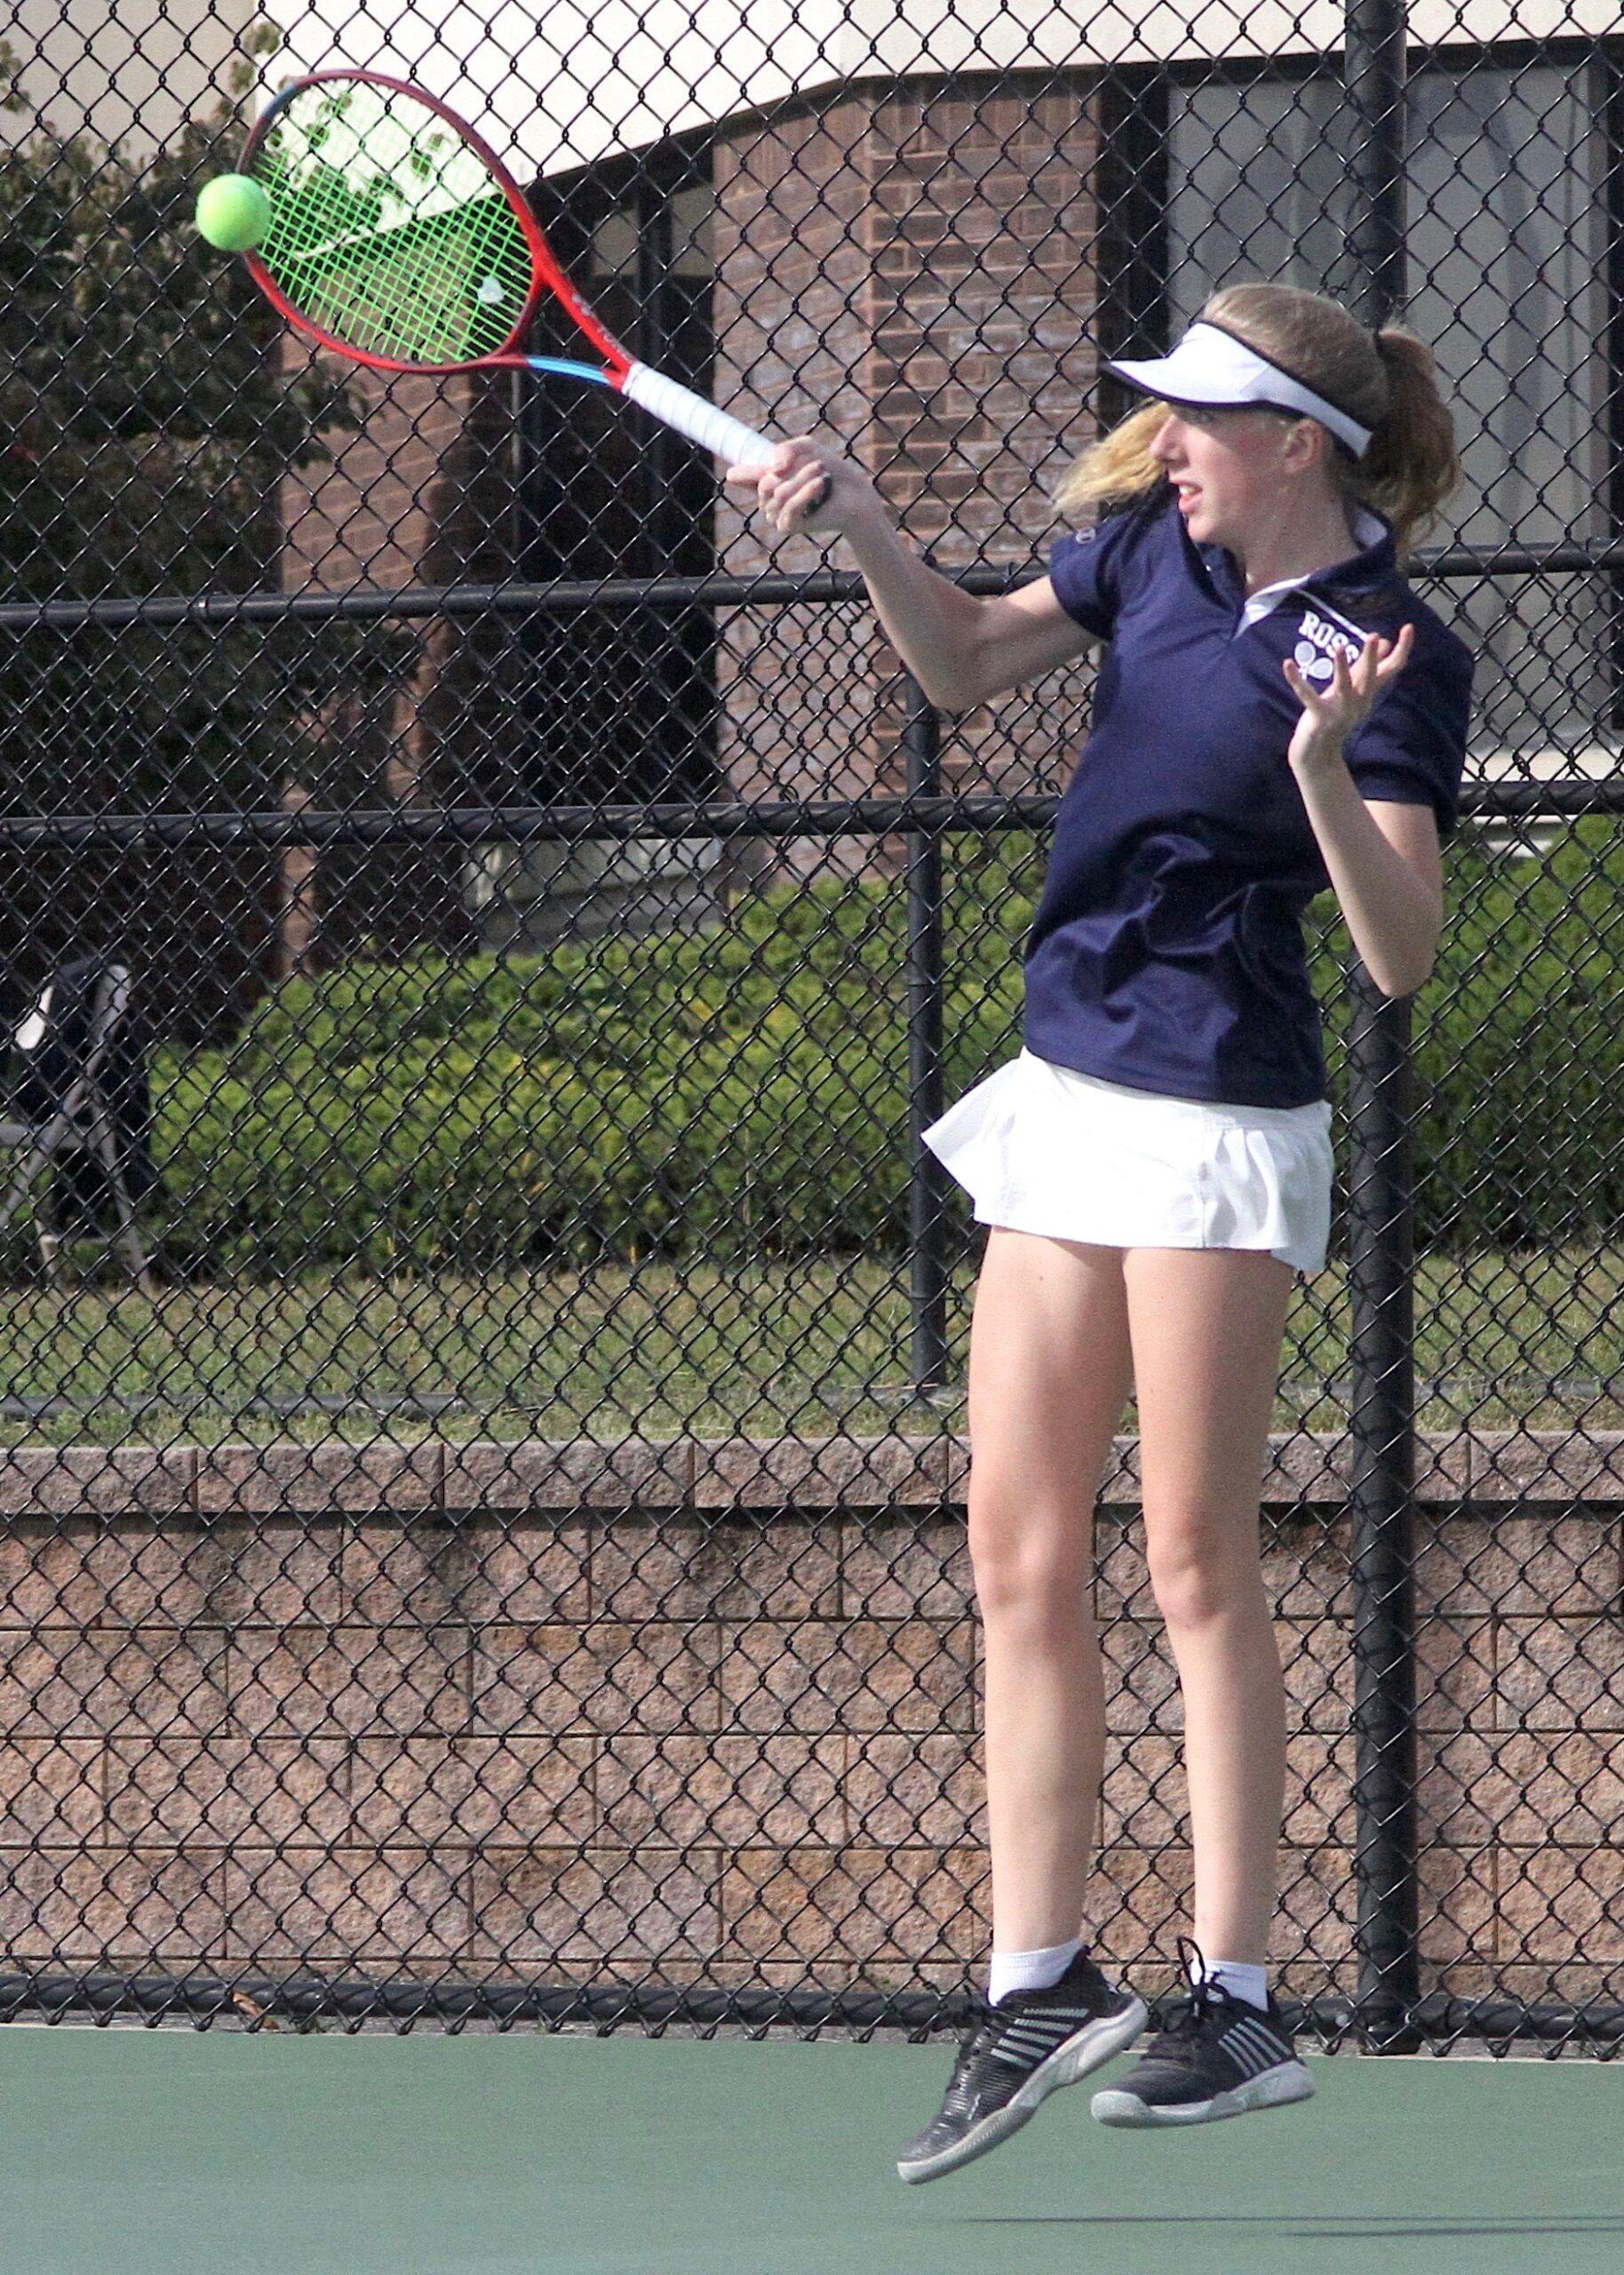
(962, 649)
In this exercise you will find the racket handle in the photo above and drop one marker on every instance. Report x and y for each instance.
(690, 414)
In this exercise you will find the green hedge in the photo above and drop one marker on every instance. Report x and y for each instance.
(745, 1090)
(735, 1091)
(1520, 1049)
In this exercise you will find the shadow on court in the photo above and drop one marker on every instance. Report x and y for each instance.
(137, 2152)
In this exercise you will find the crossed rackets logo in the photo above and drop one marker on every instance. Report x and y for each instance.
(1317, 643)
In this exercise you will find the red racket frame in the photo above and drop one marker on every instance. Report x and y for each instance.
(547, 275)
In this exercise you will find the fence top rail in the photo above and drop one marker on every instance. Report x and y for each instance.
(568, 595)
(1483, 801)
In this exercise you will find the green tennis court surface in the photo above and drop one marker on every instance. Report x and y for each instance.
(137, 2152)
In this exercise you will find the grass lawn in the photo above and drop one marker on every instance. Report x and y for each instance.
(1503, 1338)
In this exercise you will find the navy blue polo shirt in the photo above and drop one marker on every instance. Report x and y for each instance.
(1167, 953)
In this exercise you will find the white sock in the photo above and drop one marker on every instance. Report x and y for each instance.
(1029, 1970)
(1239, 1979)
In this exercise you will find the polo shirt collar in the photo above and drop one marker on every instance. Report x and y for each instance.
(1374, 566)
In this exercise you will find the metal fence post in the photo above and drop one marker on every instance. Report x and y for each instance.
(1381, 1232)
(928, 1179)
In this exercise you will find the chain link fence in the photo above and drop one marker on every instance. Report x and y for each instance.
(481, 1438)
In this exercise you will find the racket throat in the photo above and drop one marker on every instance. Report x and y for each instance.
(559, 367)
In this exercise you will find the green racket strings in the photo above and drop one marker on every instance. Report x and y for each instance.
(387, 231)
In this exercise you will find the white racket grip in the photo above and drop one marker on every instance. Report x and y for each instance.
(734, 443)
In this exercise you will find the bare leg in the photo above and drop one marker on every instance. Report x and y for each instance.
(1049, 1375)
(1206, 1326)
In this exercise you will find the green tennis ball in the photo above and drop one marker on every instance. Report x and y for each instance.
(232, 212)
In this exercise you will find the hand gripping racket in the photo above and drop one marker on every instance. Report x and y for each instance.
(398, 237)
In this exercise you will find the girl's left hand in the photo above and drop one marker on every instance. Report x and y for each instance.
(1328, 719)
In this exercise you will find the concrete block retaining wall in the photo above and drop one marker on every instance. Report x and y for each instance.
(708, 1710)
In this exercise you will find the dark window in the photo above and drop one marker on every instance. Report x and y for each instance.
(1512, 255)
(1131, 251)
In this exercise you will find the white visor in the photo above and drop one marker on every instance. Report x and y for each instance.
(1212, 366)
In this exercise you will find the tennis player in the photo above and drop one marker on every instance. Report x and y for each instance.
(1276, 712)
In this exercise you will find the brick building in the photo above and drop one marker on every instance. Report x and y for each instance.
(911, 272)
(915, 230)
(925, 263)
(823, 242)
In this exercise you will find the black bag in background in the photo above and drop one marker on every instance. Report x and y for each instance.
(50, 1051)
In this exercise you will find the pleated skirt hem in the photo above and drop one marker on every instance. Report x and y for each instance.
(1043, 1149)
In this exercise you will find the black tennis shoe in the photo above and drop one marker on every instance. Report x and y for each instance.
(1019, 2053)
(1212, 2055)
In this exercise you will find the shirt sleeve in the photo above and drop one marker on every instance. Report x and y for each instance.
(1412, 749)
(1087, 571)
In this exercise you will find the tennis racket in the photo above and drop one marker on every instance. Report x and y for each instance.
(398, 238)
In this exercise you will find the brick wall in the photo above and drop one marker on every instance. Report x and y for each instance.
(707, 1711)
(910, 274)
(421, 493)
(365, 516)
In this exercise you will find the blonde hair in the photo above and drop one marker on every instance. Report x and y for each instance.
(1387, 382)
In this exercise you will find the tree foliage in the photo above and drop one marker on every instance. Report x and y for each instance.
(147, 427)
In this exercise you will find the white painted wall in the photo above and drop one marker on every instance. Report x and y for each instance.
(558, 83)
(134, 70)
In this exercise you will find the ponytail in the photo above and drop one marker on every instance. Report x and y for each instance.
(1411, 467)
(1117, 470)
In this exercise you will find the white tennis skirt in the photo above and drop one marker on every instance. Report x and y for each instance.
(1043, 1149)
